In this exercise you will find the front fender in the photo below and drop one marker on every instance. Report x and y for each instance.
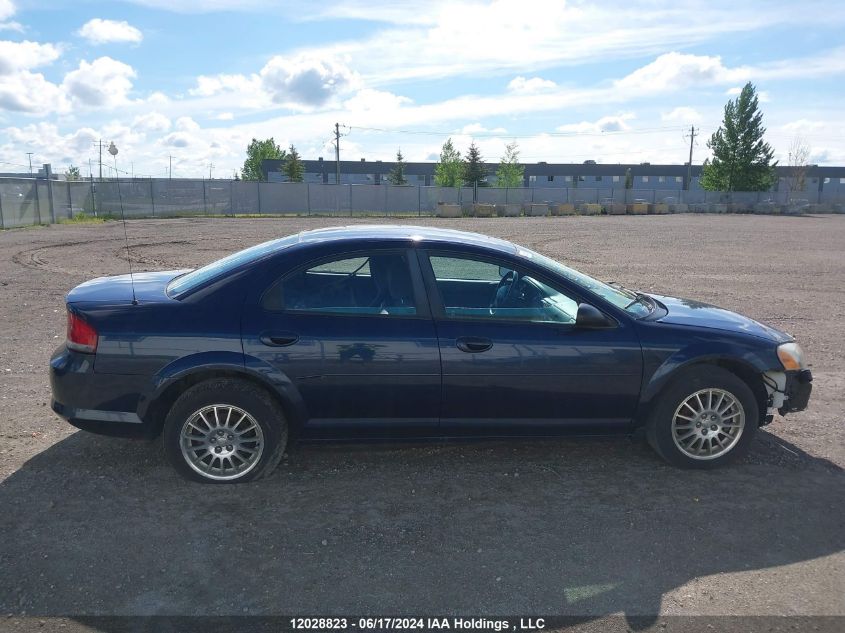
(664, 369)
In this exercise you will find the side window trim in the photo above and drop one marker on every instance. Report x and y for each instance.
(421, 303)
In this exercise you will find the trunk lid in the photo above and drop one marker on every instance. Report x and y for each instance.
(149, 287)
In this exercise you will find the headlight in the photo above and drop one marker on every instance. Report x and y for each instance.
(791, 356)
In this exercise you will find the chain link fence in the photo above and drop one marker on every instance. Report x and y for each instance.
(27, 201)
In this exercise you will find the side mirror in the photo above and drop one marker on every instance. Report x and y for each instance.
(591, 318)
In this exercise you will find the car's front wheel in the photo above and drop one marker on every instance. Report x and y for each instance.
(225, 431)
(705, 418)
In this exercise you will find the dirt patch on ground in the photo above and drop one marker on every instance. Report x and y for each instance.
(586, 527)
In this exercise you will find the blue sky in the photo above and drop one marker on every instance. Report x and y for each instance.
(569, 81)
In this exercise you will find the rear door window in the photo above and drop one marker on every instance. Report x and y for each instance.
(375, 284)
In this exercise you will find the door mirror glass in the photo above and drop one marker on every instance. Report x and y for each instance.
(590, 317)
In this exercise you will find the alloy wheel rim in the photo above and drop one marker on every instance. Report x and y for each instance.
(708, 424)
(221, 442)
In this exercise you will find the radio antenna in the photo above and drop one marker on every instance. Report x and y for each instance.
(113, 152)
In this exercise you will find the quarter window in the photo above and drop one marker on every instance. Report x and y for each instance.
(481, 289)
(378, 283)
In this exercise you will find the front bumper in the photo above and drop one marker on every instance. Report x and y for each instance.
(799, 386)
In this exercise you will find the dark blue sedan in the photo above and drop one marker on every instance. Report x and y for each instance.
(409, 332)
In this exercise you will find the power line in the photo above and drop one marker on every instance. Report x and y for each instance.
(523, 136)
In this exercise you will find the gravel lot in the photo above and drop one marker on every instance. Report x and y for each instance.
(95, 525)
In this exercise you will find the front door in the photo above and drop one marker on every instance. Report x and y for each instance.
(513, 360)
(354, 335)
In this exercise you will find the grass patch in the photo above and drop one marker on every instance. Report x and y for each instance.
(86, 218)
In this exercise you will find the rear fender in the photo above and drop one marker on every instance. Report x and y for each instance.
(204, 365)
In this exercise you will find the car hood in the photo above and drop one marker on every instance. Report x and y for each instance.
(149, 287)
(691, 312)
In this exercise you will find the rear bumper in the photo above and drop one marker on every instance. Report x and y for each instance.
(799, 386)
(100, 403)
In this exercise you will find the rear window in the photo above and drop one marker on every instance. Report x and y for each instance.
(196, 278)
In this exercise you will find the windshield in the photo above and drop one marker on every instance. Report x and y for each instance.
(195, 278)
(635, 303)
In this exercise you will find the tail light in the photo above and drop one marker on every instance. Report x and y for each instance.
(81, 336)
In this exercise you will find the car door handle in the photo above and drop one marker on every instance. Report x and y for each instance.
(282, 339)
(473, 344)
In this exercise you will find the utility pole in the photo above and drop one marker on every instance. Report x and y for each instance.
(100, 143)
(337, 152)
(689, 164)
(170, 169)
(210, 168)
(30, 162)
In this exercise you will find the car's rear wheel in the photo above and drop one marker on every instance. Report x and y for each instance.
(705, 418)
(225, 431)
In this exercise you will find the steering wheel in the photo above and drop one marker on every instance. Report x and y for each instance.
(504, 290)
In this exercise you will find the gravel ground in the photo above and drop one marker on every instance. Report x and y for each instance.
(100, 526)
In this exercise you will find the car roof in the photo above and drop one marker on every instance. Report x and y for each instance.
(404, 233)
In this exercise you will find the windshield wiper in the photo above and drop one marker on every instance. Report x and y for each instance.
(644, 299)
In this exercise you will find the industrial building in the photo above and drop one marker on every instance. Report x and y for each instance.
(542, 174)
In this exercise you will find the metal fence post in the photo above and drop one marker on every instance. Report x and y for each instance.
(69, 201)
(152, 196)
(2, 221)
(204, 205)
(93, 197)
(419, 200)
(258, 193)
(232, 198)
(50, 203)
(308, 199)
(37, 200)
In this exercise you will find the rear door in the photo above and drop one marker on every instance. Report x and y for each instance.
(517, 364)
(355, 335)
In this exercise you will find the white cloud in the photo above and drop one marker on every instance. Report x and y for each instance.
(521, 85)
(477, 128)
(762, 95)
(369, 100)
(305, 80)
(679, 70)
(225, 116)
(151, 122)
(30, 93)
(105, 82)
(17, 56)
(211, 85)
(186, 124)
(615, 123)
(681, 114)
(99, 31)
(7, 10)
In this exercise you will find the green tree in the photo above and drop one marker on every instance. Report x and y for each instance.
(629, 179)
(474, 170)
(742, 160)
(449, 170)
(397, 174)
(255, 153)
(73, 173)
(293, 168)
(510, 173)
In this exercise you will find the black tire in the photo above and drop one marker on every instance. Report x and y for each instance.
(659, 430)
(243, 395)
